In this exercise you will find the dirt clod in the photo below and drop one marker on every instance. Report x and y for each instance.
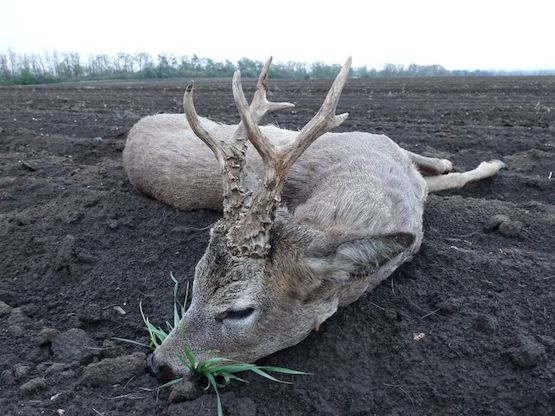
(391, 315)
(505, 225)
(495, 220)
(57, 368)
(34, 386)
(547, 341)
(185, 390)
(114, 370)
(238, 406)
(7, 377)
(4, 309)
(16, 331)
(64, 256)
(30, 309)
(45, 336)
(205, 405)
(486, 324)
(62, 376)
(21, 370)
(450, 306)
(85, 256)
(510, 228)
(527, 352)
(91, 314)
(112, 349)
(18, 317)
(74, 345)
(38, 354)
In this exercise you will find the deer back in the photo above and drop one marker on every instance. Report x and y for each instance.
(355, 180)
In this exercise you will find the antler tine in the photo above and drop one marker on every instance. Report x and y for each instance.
(230, 156)
(264, 147)
(324, 120)
(198, 129)
(260, 104)
(251, 116)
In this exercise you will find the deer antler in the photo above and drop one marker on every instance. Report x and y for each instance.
(251, 232)
(249, 214)
(231, 154)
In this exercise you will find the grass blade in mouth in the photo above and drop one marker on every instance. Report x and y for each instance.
(130, 341)
(284, 370)
(264, 374)
(164, 386)
(214, 384)
(190, 358)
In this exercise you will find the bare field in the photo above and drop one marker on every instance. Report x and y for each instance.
(80, 247)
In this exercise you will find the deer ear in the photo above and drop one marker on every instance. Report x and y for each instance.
(355, 257)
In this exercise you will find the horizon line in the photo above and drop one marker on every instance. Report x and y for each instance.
(155, 55)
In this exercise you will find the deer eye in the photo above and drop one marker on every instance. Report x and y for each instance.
(235, 314)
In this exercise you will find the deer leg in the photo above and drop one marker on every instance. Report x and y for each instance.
(458, 180)
(430, 165)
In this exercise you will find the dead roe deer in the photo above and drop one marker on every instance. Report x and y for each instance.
(307, 225)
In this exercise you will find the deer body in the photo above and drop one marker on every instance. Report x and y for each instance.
(355, 184)
(308, 225)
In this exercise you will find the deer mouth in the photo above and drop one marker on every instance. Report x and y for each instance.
(164, 371)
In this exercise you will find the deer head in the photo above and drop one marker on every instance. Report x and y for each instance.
(265, 280)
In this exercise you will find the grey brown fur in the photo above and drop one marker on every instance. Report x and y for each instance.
(349, 214)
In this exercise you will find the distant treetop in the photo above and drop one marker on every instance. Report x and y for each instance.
(48, 67)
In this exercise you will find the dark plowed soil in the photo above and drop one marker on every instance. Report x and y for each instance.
(466, 328)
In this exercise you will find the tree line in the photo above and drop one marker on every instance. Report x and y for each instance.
(53, 66)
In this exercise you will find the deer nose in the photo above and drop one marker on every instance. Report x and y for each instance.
(162, 372)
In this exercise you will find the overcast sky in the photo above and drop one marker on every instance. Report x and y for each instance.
(470, 34)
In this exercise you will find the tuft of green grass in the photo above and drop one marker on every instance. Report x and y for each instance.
(156, 334)
(220, 371)
(217, 371)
